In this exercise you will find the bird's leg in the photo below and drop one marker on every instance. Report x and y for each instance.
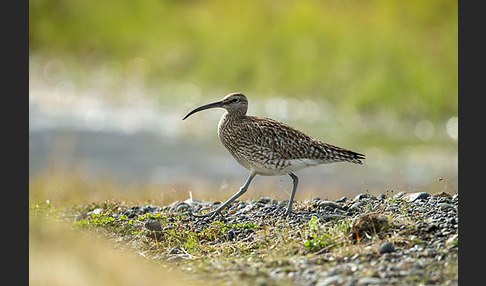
(234, 197)
(292, 194)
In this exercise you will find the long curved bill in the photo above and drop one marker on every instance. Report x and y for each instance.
(207, 106)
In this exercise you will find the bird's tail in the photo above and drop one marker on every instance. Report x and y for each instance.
(354, 157)
(338, 154)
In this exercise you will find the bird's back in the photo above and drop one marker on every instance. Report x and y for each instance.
(271, 147)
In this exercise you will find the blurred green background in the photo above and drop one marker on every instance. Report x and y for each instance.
(362, 56)
(378, 76)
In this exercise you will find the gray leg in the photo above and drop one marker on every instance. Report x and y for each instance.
(234, 197)
(295, 181)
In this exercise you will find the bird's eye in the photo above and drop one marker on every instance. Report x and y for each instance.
(234, 100)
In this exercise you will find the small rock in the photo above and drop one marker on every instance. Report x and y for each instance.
(371, 281)
(148, 209)
(241, 205)
(331, 280)
(264, 200)
(351, 282)
(445, 206)
(442, 195)
(155, 229)
(362, 196)
(176, 258)
(452, 240)
(399, 195)
(231, 235)
(246, 209)
(356, 206)
(341, 200)
(182, 207)
(153, 225)
(204, 209)
(387, 247)
(175, 250)
(283, 204)
(329, 204)
(258, 214)
(196, 202)
(381, 196)
(417, 196)
(431, 228)
(95, 212)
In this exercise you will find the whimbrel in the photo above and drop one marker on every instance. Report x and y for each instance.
(268, 147)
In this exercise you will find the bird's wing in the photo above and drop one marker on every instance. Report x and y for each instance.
(281, 140)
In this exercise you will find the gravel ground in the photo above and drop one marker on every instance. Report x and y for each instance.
(404, 239)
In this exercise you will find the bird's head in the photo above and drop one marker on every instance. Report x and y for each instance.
(235, 103)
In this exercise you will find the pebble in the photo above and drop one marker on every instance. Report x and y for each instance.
(371, 281)
(176, 258)
(329, 204)
(264, 200)
(175, 250)
(331, 280)
(341, 200)
(356, 206)
(399, 195)
(451, 240)
(386, 247)
(416, 196)
(153, 225)
(154, 229)
(283, 204)
(97, 211)
(182, 207)
(362, 196)
(381, 196)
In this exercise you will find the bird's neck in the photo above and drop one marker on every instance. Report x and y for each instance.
(229, 118)
(232, 116)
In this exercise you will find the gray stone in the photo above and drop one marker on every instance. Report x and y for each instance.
(387, 247)
(175, 250)
(356, 206)
(371, 281)
(95, 212)
(176, 258)
(153, 225)
(362, 196)
(399, 195)
(331, 280)
(341, 200)
(182, 207)
(417, 196)
(381, 197)
(329, 204)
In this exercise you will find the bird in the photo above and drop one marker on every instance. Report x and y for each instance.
(268, 147)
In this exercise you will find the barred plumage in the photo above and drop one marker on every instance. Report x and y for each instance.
(269, 147)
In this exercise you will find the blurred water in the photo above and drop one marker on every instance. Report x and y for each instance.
(138, 138)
